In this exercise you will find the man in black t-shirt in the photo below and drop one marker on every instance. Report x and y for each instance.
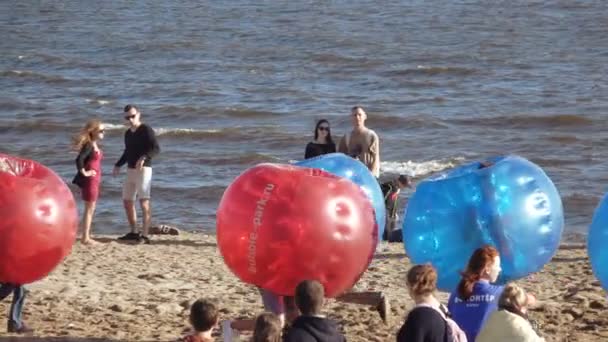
(140, 147)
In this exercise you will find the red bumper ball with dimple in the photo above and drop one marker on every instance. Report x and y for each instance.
(38, 220)
(280, 224)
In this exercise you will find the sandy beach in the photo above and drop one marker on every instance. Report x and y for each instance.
(120, 292)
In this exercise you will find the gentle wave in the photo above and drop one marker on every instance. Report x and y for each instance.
(419, 169)
(432, 71)
(230, 112)
(100, 102)
(30, 75)
(240, 159)
(64, 61)
(14, 105)
(345, 61)
(528, 121)
(210, 194)
(238, 112)
(564, 139)
(383, 122)
(182, 132)
(261, 134)
(581, 201)
(187, 132)
(41, 125)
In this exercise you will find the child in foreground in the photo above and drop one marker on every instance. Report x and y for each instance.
(268, 328)
(204, 317)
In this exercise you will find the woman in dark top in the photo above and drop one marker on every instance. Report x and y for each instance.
(323, 143)
(88, 174)
(428, 320)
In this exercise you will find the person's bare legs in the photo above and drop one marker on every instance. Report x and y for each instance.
(87, 220)
(131, 214)
(147, 215)
(372, 298)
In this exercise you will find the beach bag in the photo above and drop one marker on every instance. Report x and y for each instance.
(453, 331)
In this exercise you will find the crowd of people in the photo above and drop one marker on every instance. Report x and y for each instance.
(477, 310)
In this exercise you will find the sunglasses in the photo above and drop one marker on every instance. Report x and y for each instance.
(323, 128)
(101, 131)
(129, 117)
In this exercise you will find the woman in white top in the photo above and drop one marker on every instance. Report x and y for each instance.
(510, 322)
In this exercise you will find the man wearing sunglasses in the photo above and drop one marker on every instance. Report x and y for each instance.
(140, 147)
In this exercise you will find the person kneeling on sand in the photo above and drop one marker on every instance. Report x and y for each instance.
(204, 318)
(391, 191)
(510, 322)
(311, 325)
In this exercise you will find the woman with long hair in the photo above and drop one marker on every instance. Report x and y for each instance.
(267, 328)
(88, 176)
(322, 143)
(510, 322)
(428, 320)
(476, 297)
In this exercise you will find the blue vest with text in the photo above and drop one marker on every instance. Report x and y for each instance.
(471, 314)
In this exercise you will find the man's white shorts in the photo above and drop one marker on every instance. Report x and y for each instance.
(137, 184)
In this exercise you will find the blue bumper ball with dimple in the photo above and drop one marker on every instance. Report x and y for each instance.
(344, 166)
(507, 202)
(597, 243)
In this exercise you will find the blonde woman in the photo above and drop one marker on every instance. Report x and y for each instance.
(510, 322)
(88, 176)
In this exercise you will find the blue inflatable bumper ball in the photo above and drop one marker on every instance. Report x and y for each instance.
(344, 166)
(507, 202)
(597, 243)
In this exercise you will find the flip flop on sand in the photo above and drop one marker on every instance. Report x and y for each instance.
(164, 230)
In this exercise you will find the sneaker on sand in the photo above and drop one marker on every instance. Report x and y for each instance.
(22, 329)
(129, 236)
(144, 239)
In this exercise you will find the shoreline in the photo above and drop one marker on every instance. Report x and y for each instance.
(120, 292)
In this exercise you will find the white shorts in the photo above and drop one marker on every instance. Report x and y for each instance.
(137, 184)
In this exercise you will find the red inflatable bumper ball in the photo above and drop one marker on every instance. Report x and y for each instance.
(280, 224)
(38, 221)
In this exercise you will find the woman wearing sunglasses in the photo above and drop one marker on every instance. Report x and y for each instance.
(88, 176)
(323, 143)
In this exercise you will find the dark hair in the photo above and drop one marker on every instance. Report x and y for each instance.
(267, 328)
(422, 279)
(319, 123)
(309, 297)
(203, 315)
(481, 258)
(356, 107)
(405, 180)
(129, 107)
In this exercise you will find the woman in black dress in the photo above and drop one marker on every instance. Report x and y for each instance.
(323, 143)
